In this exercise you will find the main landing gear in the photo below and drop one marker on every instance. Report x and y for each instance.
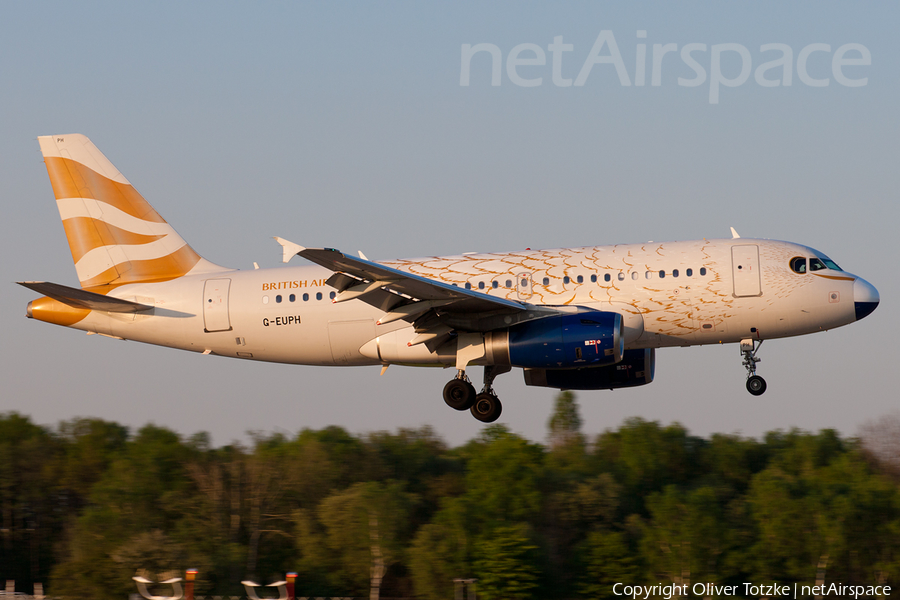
(756, 385)
(459, 393)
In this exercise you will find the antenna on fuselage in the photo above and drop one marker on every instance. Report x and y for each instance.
(734, 234)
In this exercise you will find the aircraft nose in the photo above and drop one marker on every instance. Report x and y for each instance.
(865, 298)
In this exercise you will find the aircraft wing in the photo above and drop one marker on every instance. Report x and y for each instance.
(433, 306)
(414, 286)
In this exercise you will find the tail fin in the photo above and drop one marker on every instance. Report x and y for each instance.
(115, 236)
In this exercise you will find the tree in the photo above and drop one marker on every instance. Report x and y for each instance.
(32, 509)
(606, 558)
(365, 529)
(503, 478)
(645, 457)
(880, 442)
(141, 491)
(505, 563)
(440, 552)
(565, 423)
(686, 536)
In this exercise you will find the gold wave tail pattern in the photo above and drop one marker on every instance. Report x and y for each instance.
(114, 235)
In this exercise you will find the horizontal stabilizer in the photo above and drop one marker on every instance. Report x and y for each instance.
(84, 299)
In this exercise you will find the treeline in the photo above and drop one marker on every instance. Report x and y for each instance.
(87, 505)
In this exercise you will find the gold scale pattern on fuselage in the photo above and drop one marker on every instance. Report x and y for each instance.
(673, 306)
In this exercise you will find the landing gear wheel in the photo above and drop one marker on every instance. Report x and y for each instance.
(756, 385)
(487, 408)
(459, 394)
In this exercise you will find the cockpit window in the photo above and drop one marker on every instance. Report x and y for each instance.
(798, 264)
(816, 265)
(830, 263)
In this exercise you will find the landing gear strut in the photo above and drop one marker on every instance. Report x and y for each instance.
(756, 385)
(487, 407)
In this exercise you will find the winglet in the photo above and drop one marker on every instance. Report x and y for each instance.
(734, 235)
(290, 248)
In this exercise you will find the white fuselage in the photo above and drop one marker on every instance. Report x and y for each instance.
(670, 294)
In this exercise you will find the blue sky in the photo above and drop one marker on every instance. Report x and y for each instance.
(345, 125)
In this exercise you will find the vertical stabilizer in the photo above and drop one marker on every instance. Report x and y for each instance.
(115, 236)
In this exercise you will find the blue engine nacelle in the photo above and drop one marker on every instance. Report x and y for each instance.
(636, 368)
(586, 339)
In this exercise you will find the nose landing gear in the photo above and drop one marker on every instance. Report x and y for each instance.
(756, 385)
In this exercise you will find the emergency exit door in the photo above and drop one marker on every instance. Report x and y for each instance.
(215, 305)
(745, 270)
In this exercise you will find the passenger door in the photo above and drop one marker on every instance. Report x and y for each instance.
(215, 305)
(745, 270)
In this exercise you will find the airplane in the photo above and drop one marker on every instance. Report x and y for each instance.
(573, 318)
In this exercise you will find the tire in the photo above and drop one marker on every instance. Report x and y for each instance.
(459, 394)
(487, 408)
(756, 385)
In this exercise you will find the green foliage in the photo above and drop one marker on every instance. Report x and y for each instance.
(645, 457)
(505, 563)
(606, 558)
(503, 478)
(440, 552)
(400, 514)
(33, 506)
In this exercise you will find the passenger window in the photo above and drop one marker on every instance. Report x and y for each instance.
(798, 264)
(546, 281)
(674, 272)
(480, 285)
(689, 272)
(621, 276)
(509, 283)
(495, 284)
(306, 297)
(468, 286)
(318, 295)
(332, 295)
(606, 277)
(702, 271)
(648, 274)
(580, 279)
(634, 275)
(265, 299)
(566, 280)
(278, 298)
(816, 265)
(593, 279)
(662, 274)
(292, 297)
